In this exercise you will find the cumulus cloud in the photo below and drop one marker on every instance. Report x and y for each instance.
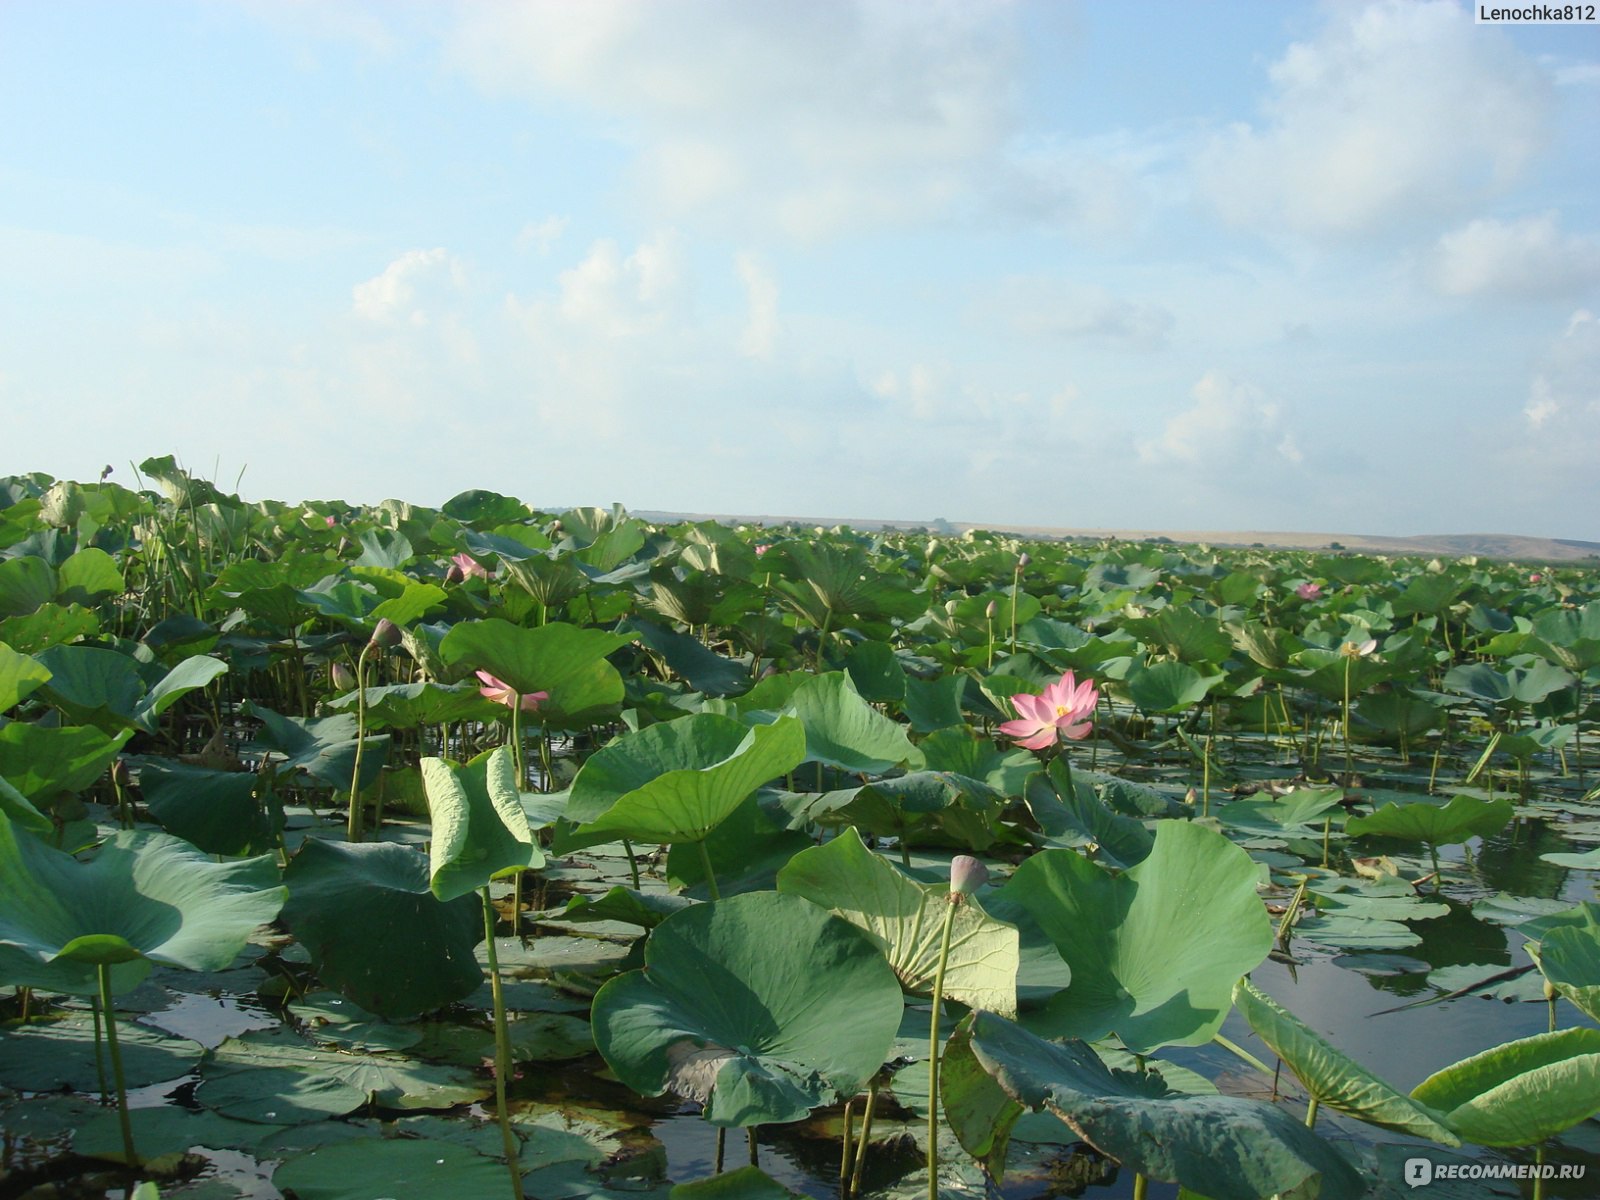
(540, 236)
(1531, 257)
(620, 297)
(393, 294)
(818, 116)
(1394, 110)
(1564, 395)
(1230, 421)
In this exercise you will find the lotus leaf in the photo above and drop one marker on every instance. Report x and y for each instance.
(844, 731)
(760, 1006)
(678, 781)
(480, 830)
(1224, 1147)
(1463, 818)
(1333, 1077)
(20, 677)
(1569, 956)
(1155, 951)
(563, 660)
(376, 932)
(143, 898)
(906, 919)
(1521, 1092)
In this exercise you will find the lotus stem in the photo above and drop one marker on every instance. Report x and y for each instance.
(99, 1052)
(1240, 1052)
(844, 1153)
(933, 1049)
(1538, 1172)
(1344, 722)
(1327, 832)
(711, 876)
(754, 1159)
(1141, 1186)
(633, 862)
(352, 829)
(864, 1139)
(502, 1048)
(516, 741)
(722, 1143)
(1311, 1112)
(128, 1152)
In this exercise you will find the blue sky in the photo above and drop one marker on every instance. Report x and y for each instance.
(1164, 265)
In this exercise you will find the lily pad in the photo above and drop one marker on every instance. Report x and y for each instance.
(416, 1168)
(47, 1055)
(760, 1006)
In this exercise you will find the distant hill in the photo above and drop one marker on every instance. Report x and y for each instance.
(1451, 545)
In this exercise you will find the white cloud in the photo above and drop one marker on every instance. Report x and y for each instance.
(1530, 257)
(1396, 110)
(819, 117)
(540, 236)
(392, 295)
(761, 294)
(1230, 421)
(1052, 309)
(620, 297)
(1564, 396)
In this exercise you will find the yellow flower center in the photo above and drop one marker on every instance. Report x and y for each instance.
(1061, 710)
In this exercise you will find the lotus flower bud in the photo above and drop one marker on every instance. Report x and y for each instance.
(386, 635)
(454, 575)
(342, 677)
(950, 607)
(1023, 560)
(989, 610)
(967, 875)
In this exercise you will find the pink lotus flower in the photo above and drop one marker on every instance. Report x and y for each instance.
(1308, 591)
(330, 520)
(1536, 578)
(762, 549)
(1065, 708)
(502, 692)
(470, 566)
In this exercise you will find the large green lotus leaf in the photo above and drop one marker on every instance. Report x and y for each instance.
(646, 909)
(26, 582)
(479, 827)
(15, 807)
(143, 896)
(1298, 814)
(1521, 685)
(1067, 809)
(322, 747)
(1333, 1077)
(408, 705)
(906, 919)
(216, 810)
(1184, 633)
(1169, 687)
(88, 577)
(49, 625)
(273, 1077)
(1570, 960)
(677, 781)
(416, 1168)
(1155, 951)
(702, 669)
(167, 1129)
(20, 677)
(1519, 1093)
(747, 850)
(761, 1006)
(375, 930)
(414, 602)
(567, 662)
(933, 704)
(844, 731)
(1223, 1147)
(54, 1053)
(102, 687)
(1465, 817)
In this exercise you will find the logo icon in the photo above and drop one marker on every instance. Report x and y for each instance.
(1419, 1171)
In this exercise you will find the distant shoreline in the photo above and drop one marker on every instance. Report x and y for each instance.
(1453, 545)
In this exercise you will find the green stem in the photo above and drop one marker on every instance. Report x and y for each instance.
(933, 1050)
(1141, 1187)
(516, 741)
(754, 1159)
(722, 1142)
(129, 1154)
(1311, 1112)
(862, 1140)
(844, 1153)
(502, 1048)
(352, 830)
(711, 877)
(633, 863)
(1016, 586)
(1349, 769)
(1538, 1173)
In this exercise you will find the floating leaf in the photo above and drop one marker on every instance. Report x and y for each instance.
(761, 1006)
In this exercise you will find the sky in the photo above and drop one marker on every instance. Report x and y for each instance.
(1157, 265)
